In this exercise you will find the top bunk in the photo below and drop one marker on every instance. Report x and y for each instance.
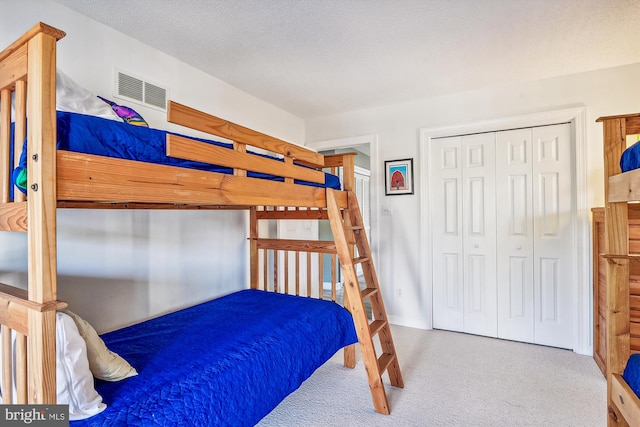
(253, 170)
(622, 164)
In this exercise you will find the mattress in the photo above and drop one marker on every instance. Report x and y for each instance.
(95, 135)
(226, 362)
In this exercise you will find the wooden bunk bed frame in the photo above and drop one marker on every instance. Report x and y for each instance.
(63, 179)
(620, 189)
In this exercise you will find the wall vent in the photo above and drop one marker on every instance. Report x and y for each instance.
(138, 90)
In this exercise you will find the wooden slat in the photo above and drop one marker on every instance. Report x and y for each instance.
(83, 177)
(321, 246)
(265, 270)
(5, 138)
(308, 214)
(321, 276)
(297, 273)
(276, 260)
(194, 119)
(334, 279)
(13, 216)
(197, 151)
(146, 206)
(308, 274)
(20, 130)
(7, 365)
(254, 253)
(624, 187)
(286, 272)
(21, 368)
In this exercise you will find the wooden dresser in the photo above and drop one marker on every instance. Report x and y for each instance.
(599, 284)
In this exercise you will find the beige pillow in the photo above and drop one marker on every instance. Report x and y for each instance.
(103, 363)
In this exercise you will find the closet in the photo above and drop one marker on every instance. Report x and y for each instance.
(502, 226)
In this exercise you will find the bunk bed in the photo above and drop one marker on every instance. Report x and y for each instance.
(291, 186)
(622, 186)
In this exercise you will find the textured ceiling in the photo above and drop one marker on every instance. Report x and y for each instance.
(320, 57)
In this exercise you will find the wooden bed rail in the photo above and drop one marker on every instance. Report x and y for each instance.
(288, 267)
(194, 119)
(15, 312)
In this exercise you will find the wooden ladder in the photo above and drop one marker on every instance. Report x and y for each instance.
(348, 231)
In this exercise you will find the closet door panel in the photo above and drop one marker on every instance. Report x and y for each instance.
(479, 239)
(446, 214)
(514, 235)
(553, 236)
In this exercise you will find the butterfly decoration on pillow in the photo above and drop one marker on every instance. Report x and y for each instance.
(127, 114)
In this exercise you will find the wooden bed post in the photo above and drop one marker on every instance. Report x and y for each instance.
(617, 271)
(42, 202)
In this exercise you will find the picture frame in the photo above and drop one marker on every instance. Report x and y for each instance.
(398, 177)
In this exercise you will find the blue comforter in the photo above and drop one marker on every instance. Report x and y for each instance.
(631, 373)
(630, 158)
(227, 362)
(94, 135)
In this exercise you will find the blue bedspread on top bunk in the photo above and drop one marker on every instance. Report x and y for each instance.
(227, 362)
(630, 158)
(94, 135)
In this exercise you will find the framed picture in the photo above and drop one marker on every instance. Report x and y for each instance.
(398, 177)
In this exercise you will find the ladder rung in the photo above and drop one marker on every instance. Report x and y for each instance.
(367, 292)
(360, 259)
(375, 326)
(354, 227)
(384, 361)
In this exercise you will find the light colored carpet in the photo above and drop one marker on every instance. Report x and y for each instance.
(454, 379)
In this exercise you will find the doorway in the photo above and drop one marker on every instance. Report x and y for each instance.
(365, 164)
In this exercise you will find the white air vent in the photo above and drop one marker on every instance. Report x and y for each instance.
(138, 90)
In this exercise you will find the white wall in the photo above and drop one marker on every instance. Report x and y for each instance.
(407, 298)
(117, 267)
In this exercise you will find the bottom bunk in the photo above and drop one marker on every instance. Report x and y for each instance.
(226, 362)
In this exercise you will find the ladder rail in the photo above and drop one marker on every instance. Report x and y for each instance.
(349, 233)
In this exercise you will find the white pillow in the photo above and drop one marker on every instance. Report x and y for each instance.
(74, 381)
(103, 363)
(73, 98)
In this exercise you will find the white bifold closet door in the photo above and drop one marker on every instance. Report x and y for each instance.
(464, 234)
(502, 227)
